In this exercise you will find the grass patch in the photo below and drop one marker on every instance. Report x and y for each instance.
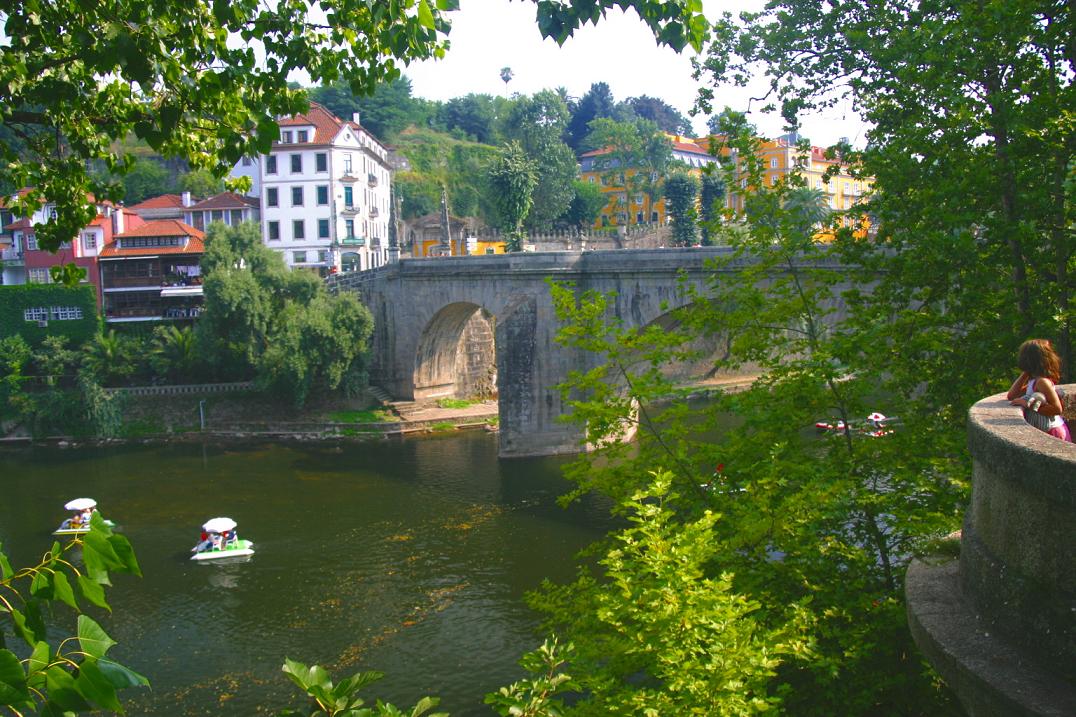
(375, 415)
(493, 421)
(142, 427)
(454, 403)
(443, 426)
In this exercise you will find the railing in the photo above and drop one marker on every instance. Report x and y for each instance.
(184, 389)
(371, 180)
(374, 212)
(11, 256)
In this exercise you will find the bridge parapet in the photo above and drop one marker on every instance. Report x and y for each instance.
(1000, 624)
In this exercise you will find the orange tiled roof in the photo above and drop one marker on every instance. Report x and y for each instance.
(20, 224)
(163, 228)
(226, 200)
(164, 201)
(194, 245)
(326, 125)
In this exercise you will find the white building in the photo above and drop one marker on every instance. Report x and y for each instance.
(324, 190)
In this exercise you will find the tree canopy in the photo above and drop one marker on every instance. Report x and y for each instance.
(76, 77)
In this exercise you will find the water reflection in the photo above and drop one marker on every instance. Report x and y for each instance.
(410, 558)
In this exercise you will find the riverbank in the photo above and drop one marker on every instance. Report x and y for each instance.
(249, 415)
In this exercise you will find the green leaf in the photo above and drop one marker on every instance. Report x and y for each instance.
(122, 547)
(92, 637)
(95, 687)
(425, 15)
(39, 658)
(29, 625)
(5, 566)
(92, 591)
(13, 689)
(41, 585)
(120, 676)
(62, 590)
(63, 692)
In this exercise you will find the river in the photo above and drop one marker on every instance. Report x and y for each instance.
(407, 557)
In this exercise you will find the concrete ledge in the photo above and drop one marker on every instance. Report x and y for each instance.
(989, 676)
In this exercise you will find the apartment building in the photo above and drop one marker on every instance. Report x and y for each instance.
(24, 262)
(324, 191)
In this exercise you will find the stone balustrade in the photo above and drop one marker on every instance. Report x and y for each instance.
(999, 625)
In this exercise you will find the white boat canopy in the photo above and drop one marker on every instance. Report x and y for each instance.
(219, 525)
(80, 504)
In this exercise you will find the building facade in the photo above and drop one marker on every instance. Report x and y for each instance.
(324, 191)
(24, 262)
(227, 207)
(153, 272)
(627, 207)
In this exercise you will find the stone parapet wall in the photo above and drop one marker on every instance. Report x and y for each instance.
(1018, 552)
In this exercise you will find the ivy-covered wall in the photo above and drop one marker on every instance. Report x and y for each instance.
(50, 303)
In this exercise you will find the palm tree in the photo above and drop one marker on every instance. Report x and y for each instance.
(174, 349)
(108, 357)
(506, 77)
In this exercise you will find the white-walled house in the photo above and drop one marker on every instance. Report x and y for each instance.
(324, 190)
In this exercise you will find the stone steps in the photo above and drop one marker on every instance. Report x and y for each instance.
(380, 395)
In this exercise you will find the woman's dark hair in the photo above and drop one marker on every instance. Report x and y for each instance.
(1038, 358)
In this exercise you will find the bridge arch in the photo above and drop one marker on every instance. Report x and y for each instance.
(456, 353)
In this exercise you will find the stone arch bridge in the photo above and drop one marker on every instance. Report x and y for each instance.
(438, 323)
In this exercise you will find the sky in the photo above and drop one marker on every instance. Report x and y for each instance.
(620, 51)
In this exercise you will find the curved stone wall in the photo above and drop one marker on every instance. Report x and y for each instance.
(1018, 546)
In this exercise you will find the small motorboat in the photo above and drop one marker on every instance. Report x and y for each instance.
(219, 540)
(79, 523)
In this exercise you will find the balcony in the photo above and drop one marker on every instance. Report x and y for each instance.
(12, 257)
(371, 180)
(374, 213)
(349, 209)
(375, 242)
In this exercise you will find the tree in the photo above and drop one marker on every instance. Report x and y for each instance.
(279, 325)
(970, 153)
(386, 111)
(513, 177)
(145, 179)
(636, 158)
(598, 102)
(201, 184)
(506, 77)
(173, 74)
(820, 527)
(681, 193)
(475, 115)
(586, 205)
(537, 123)
(666, 117)
(712, 192)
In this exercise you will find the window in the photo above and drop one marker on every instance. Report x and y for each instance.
(323, 256)
(271, 198)
(37, 313)
(31, 243)
(66, 313)
(773, 162)
(349, 227)
(274, 231)
(638, 217)
(743, 183)
(285, 137)
(323, 229)
(773, 180)
(38, 276)
(297, 196)
(298, 229)
(301, 135)
(270, 165)
(591, 179)
(298, 257)
(347, 164)
(235, 216)
(654, 217)
(89, 240)
(296, 163)
(323, 194)
(349, 197)
(321, 162)
(638, 198)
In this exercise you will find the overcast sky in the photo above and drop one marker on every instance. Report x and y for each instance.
(620, 51)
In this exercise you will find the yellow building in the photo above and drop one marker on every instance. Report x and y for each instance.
(628, 207)
(779, 158)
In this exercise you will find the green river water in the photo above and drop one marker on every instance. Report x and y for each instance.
(407, 557)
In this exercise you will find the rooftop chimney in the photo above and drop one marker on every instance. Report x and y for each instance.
(186, 199)
(355, 118)
(117, 221)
